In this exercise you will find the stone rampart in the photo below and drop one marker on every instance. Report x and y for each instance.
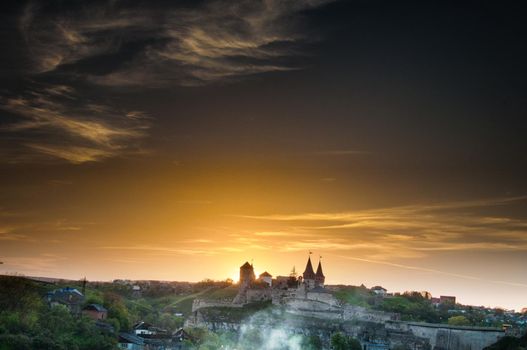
(201, 303)
(445, 337)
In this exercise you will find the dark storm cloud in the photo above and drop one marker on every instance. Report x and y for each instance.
(167, 44)
(57, 122)
(68, 47)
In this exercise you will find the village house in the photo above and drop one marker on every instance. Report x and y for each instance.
(144, 328)
(136, 291)
(130, 342)
(447, 300)
(380, 291)
(266, 277)
(95, 311)
(69, 297)
(180, 338)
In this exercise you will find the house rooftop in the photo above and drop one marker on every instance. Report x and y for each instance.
(65, 295)
(130, 339)
(95, 307)
(378, 288)
(142, 325)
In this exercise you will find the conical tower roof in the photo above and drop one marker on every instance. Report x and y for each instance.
(319, 270)
(309, 273)
(246, 266)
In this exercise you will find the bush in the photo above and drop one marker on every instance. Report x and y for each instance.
(458, 321)
(340, 341)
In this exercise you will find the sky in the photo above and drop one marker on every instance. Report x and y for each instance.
(175, 140)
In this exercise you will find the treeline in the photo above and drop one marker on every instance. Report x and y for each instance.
(26, 323)
(413, 307)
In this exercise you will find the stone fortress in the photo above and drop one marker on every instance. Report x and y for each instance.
(286, 290)
(307, 299)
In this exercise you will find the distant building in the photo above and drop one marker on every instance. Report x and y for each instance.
(143, 328)
(122, 282)
(148, 331)
(309, 286)
(69, 297)
(319, 276)
(136, 291)
(446, 299)
(179, 338)
(426, 295)
(281, 282)
(378, 290)
(247, 276)
(267, 278)
(130, 342)
(309, 276)
(95, 311)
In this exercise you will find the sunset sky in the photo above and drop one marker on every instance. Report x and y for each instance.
(176, 140)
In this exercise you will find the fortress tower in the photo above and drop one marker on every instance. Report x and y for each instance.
(319, 276)
(246, 275)
(309, 275)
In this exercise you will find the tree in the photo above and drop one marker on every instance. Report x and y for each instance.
(458, 321)
(314, 343)
(354, 344)
(340, 341)
(117, 310)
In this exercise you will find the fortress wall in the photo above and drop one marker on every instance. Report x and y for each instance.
(395, 333)
(444, 337)
(309, 305)
(457, 339)
(322, 297)
(360, 313)
(200, 303)
(253, 295)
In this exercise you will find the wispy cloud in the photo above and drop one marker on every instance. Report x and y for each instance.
(410, 231)
(434, 271)
(212, 41)
(7, 234)
(56, 121)
(341, 152)
(150, 248)
(44, 263)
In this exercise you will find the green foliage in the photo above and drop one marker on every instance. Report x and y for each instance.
(117, 310)
(458, 321)
(312, 343)
(509, 343)
(222, 293)
(340, 341)
(229, 314)
(30, 324)
(353, 296)
(18, 294)
(168, 322)
(93, 297)
(412, 308)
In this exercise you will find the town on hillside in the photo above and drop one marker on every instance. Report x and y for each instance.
(164, 315)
